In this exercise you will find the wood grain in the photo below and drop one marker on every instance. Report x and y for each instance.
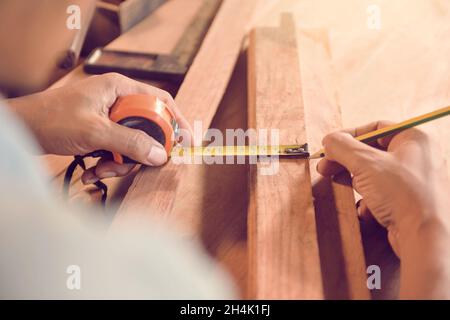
(213, 199)
(284, 256)
(198, 98)
(340, 245)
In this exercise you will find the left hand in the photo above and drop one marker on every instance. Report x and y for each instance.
(74, 120)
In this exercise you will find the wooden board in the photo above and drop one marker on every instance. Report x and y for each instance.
(367, 64)
(340, 245)
(198, 98)
(193, 36)
(213, 199)
(283, 250)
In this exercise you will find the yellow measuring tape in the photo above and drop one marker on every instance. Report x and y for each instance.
(235, 151)
(302, 150)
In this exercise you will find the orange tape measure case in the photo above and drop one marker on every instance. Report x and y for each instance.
(149, 114)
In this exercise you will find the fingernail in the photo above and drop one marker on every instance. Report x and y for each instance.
(108, 174)
(157, 156)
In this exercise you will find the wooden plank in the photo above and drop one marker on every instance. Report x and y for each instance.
(284, 256)
(213, 199)
(194, 34)
(340, 245)
(198, 98)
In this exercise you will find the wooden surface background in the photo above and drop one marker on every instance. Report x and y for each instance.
(393, 73)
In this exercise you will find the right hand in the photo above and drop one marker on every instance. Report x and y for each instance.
(403, 178)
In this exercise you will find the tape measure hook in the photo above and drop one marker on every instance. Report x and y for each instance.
(298, 151)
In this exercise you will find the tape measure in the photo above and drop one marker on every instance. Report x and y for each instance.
(246, 151)
(141, 112)
(154, 117)
(148, 114)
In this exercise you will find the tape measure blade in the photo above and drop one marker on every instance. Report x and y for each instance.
(233, 151)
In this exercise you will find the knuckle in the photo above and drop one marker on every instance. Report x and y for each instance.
(327, 139)
(422, 135)
(384, 123)
(416, 134)
(113, 77)
(165, 96)
(331, 138)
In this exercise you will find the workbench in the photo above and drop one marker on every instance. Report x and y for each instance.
(392, 73)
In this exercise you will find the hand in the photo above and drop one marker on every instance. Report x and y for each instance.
(403, 178)
(74, 120)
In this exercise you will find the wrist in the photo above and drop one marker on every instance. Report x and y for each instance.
(425, 267)
(27, 109)
(23, 107)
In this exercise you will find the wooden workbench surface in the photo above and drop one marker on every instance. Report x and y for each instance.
(393, 73)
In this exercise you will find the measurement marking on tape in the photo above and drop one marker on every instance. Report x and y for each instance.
(235, 151)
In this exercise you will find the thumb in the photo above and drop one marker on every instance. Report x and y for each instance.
(344, 149)
(134, 144)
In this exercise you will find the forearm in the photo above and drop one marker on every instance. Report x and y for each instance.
(425, 265)
(424, 244)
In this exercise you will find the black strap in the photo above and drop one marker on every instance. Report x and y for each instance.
(79, 161)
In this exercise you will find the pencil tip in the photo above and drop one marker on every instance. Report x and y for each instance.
(317, 155)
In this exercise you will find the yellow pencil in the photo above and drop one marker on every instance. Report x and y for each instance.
(380, 133)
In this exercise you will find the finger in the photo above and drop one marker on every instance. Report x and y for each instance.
(89, 177)
(414, 141)
(346, 150)
(135, 144)
(329, 168)
(379, 143)
(109, 169)
(364, 213)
